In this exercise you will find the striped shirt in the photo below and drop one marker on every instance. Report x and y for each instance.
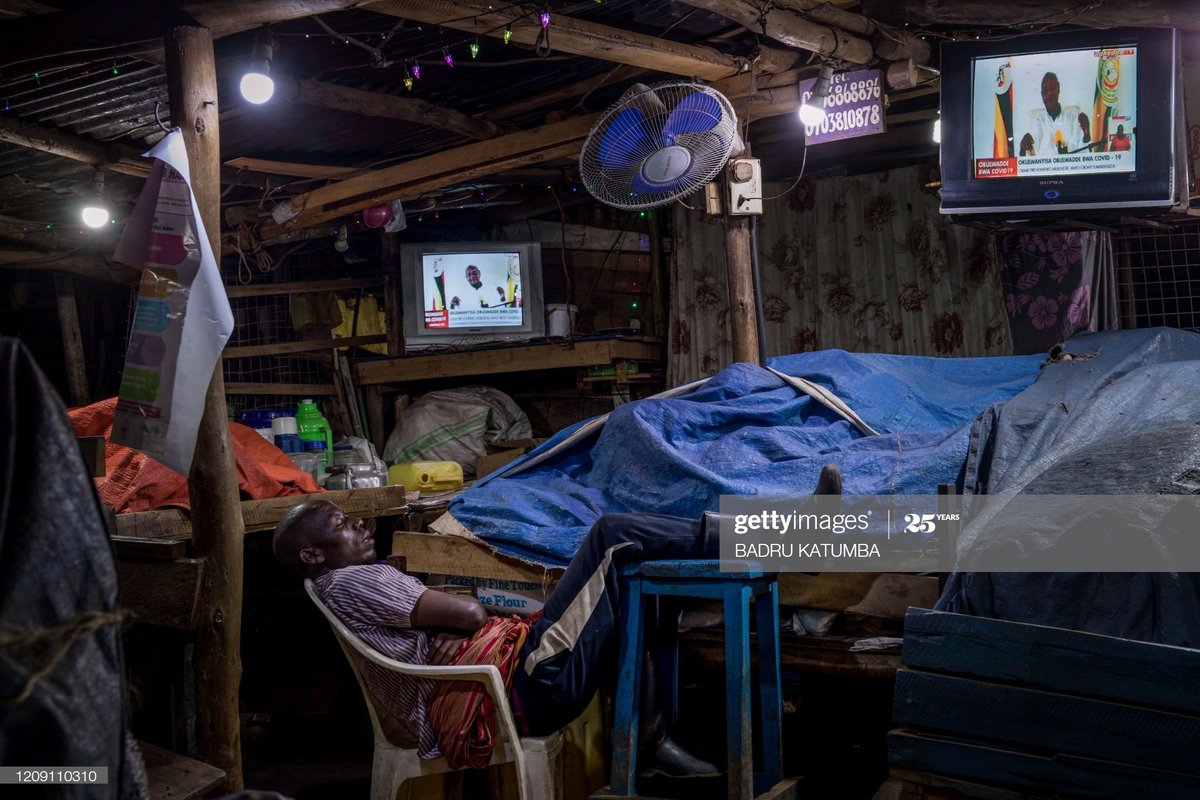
(376, 602)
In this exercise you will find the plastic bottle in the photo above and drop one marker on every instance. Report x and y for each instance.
(314, 427)
(316, 447)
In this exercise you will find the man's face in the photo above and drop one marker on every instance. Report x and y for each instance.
(1050, 93)
(338, 539)
(473, 277)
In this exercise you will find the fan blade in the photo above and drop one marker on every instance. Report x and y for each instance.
(694, 113)
(640, 186)
(626, 140)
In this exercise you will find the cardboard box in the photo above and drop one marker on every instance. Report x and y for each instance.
(498, 596)
(485, 465)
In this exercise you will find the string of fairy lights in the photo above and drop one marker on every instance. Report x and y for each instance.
(445, 53)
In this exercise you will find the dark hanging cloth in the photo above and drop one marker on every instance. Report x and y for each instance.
(62, 678)
(1056, 285)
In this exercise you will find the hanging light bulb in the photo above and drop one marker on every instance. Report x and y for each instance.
(416, 70)
(95, 210)
(474, 48)
(408, 79)
(507, 34)
(544, 18)
(813, 110)
(257, 86)
(937, 128)
(449, 59)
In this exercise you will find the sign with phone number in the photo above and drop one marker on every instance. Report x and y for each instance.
(854, 106)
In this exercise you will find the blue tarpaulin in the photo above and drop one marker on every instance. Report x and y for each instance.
(744, 431)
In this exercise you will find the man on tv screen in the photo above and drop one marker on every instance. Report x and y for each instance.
(1055, 130)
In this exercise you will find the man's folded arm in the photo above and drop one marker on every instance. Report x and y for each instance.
(455, 612)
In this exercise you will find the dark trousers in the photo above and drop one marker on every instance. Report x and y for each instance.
(572, 648)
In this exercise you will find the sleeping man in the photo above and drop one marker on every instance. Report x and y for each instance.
(569, 650)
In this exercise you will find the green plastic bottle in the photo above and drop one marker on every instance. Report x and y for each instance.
(313, 427)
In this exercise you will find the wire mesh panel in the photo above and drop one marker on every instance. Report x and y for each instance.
(1159, 276)
(255, 368)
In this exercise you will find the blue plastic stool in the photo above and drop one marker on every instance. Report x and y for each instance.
(705, 578)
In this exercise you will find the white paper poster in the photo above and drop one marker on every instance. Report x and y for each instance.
(182, 319)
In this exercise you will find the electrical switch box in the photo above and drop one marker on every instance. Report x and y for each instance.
(745, 186)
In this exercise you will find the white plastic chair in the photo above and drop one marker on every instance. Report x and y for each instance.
(537, 759)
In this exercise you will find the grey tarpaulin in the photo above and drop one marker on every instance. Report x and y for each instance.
(58, 597)
(1121, 417)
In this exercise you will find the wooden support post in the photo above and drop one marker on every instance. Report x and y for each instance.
(373, 398)
(68, 321)
(217, 529)
(393, 313)
(742, 316)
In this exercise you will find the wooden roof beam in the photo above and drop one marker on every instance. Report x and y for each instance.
(791, 29)
(93, 267)
(585, 38)
(1144, 13)
(377, 104)
(112, 156)
(463, 164)
(830, 32)
(889, 44)
(115, 157)
(448, 167)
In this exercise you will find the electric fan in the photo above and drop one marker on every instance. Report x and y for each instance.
(658, 144)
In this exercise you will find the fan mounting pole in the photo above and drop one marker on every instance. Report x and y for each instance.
(743, 313)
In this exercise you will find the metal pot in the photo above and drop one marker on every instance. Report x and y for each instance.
(355, 476)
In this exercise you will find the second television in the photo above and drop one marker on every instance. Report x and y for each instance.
(471, 294)
(1085, 120)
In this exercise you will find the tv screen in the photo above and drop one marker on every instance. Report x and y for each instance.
(469, 294)
(1057, 122)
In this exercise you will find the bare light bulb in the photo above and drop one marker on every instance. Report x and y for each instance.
(257, 87)
(95, 216)
(812, 115)
(937, 130)
(812, 112)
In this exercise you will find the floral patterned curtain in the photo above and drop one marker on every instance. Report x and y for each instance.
(864, 263)
(1055, 285)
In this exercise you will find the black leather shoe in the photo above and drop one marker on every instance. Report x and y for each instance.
(669, 759)
(830, 481)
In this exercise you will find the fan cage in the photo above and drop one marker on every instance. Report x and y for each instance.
(621, 182)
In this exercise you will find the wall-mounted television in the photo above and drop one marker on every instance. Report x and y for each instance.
(1080, 121)
(470, 294)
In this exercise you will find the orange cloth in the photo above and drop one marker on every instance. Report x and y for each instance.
(461, 712)
(136, 482)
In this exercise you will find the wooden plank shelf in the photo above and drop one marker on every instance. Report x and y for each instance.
(576, 354)
(160, 584)
(261, 515)
(826, 655)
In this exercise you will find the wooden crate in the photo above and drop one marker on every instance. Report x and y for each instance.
(1047, 711)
